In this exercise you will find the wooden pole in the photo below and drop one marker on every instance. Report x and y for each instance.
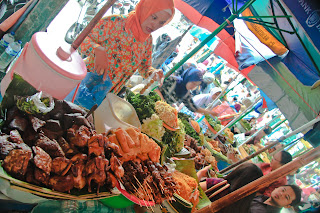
(262, 182)
(76, 43)
(300, 129)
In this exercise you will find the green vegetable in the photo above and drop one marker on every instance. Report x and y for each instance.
(188, 128)
(215, 124)
(174, 140)
(153, 126)
(143, 104)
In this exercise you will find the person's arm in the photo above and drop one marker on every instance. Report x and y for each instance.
(92, 45)
(145, 69)
(205, 111)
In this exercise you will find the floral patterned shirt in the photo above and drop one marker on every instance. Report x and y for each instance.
(125, 53)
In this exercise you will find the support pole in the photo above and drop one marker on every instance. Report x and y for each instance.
(300, 129)
(262, 182)
(211, 36)
(236, 119)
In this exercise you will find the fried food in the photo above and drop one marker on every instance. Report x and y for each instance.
(17, 161)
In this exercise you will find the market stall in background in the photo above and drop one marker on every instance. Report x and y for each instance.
(135, 148)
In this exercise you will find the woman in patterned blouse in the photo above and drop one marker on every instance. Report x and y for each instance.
(176, 90)
(120, 45)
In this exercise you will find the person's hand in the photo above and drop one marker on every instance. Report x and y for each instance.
(214, 114)
(101, 61)
(158, 76)
(203, 172)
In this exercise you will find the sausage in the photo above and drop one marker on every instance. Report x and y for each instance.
(134, 135)
(121, 137)
(113, 139)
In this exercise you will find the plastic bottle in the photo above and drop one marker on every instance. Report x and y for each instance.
(11, 52)
(5, 41)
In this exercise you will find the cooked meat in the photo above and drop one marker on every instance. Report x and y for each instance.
(36, 122)
(17, 161)
(60, 165)
(61, 183)
(79, 136)
(42, 160)
(50, 146)
(18, 123)
(15, 136)
(96, 145)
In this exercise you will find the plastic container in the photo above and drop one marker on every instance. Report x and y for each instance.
(40, 66)
(115, 112)
(5, 41)
(9, 54)
(92, 90)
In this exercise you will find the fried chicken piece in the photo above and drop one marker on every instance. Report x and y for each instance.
(61, 183)
(96, 171)
(116, 166)
(60, 165)
(96, 145)
(79, 136)
(17, 161)
(78, 172)
(111, 148)
(42, 160)
(50, 146)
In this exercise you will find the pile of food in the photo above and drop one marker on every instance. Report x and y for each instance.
(148, 180)
(202, 156)
(214, 123)
(60, 150)
(159, 121)
(186, 187)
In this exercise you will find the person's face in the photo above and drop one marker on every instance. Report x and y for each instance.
(276, 161)
(192, 85)
(283, 196)
(214, 96)
(155, 21)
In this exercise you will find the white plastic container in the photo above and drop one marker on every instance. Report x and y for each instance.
(5, 41)
(115, 112)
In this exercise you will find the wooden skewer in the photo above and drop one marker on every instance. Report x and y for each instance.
(220, 190)
(142, 186)
(216, 186)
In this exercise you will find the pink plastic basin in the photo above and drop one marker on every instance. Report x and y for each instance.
(40, 66)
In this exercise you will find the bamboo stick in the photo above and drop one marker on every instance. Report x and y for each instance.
(262, 182)
(216, 186)
(248, 157)
(76, 43)
(220, 190)
(300, 129)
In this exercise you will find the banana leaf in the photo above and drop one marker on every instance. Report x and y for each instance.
(214, 153)
(188, 167)
(75, 194)
(18, 86)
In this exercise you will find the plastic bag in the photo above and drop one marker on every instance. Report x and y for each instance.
(92, 90)
(37, 103)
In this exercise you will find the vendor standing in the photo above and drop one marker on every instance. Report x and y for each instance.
(120, 45)
(176, 90)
